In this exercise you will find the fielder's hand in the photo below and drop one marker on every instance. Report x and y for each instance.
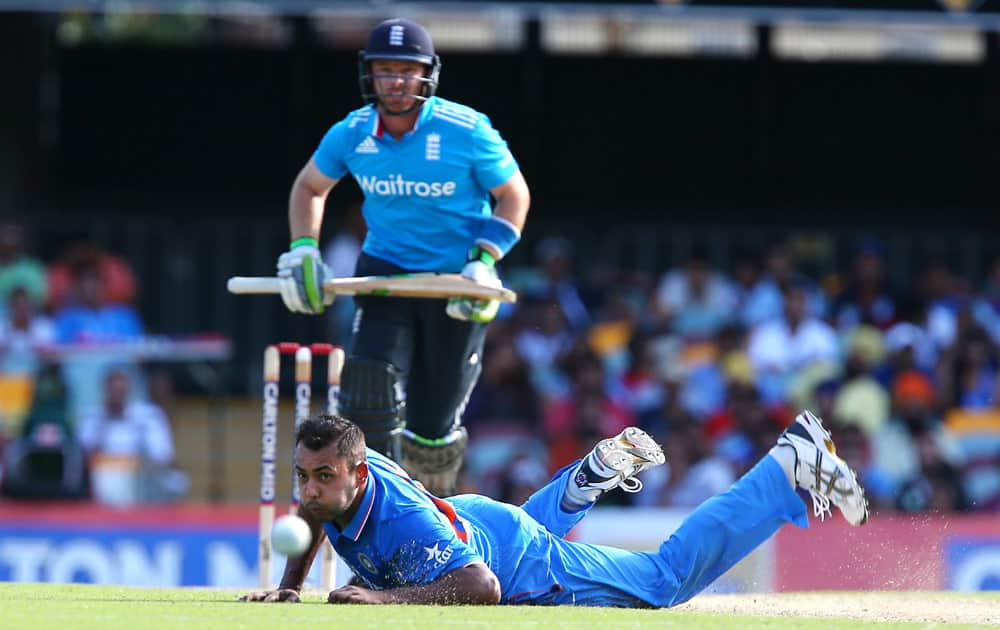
(302, 272)
(281, 595)
(354, 595)
(479, 269)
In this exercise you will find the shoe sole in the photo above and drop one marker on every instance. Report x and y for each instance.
(641, 446)
(632, 447)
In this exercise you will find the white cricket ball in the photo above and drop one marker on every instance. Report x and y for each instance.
(290, 536)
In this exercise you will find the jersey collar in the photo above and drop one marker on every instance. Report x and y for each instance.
(425, 113)
(357, 524)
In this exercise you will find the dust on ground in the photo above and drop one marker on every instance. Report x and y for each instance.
(925, 607)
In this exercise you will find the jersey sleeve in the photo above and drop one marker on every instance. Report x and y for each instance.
(329, 155)
(492, 162)
(431, 550)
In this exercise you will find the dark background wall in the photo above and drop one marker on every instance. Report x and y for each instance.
(226, 128)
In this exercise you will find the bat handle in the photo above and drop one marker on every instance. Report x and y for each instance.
(264, 285)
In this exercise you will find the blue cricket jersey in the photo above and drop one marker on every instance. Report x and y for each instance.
(402, 535)
(426, 194)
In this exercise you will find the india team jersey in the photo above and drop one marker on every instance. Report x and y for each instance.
(400, 535)
(426, 194)
(403, 536)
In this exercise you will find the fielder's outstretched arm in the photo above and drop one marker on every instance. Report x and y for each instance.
(474, 584)
(296, 569)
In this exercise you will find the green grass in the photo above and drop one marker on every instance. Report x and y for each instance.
(75, 606)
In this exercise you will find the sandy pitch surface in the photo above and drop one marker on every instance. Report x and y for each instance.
(925, 607)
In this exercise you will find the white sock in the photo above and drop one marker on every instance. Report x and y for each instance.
(785, 455)
(574, 497)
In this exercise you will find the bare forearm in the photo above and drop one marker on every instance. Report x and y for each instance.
(305, 212)
(514, 203)
(296, 569)
(458, 587)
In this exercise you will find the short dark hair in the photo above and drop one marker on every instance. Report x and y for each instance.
(324, 429)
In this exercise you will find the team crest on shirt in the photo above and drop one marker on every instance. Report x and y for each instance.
(367, 563)
(366, 146)
(432, 149)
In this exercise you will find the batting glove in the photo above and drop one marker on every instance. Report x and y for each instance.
(480, 269)
(301, 272)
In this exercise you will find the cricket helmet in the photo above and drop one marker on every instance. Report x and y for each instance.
(399, 40)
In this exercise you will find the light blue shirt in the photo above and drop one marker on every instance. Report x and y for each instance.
(426, 194)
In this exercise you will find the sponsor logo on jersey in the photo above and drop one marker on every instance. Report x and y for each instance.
(395, 185)
(366, 146)
(439, 556)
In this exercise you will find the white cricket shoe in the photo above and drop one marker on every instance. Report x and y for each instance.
(616, 461)
(819, 470)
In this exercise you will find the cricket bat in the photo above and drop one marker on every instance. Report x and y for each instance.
(416, 285)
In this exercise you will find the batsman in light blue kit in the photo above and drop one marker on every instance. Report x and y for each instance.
(407, 546)
(428, 168)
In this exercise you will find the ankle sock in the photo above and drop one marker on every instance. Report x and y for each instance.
(785, 455)
(574, 497)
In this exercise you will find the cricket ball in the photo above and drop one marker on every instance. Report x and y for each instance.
(290, 536)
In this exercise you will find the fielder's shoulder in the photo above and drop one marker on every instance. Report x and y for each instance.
(456, 114)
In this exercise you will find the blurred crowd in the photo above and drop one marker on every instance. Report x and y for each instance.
(715, 363)
(78, 419)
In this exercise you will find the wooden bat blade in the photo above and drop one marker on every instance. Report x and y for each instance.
(418, 285)
(424, 285)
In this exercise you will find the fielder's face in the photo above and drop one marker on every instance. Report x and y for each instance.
(329, 485)
(397, 83)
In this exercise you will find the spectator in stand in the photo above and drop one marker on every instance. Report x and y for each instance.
(92, 322)
(986, 305)
(18, 269)
(585, 414)
(866, 297)
(129, 430)
(742, 427)
(117, 280)
(697, 301)
(943, 299)
(642, 390)
(693, 473)
(862, 400)
(46, 461)
(91, 318)
(765, 301)
(521, 477)
(968, 371)
(558, 281)
(780, 347)
(24, 334)
(542, 343)
(908, 344)
(914, 443)
(747, 274)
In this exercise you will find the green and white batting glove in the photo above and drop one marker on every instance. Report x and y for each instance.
(301, 272)
(479, 269)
